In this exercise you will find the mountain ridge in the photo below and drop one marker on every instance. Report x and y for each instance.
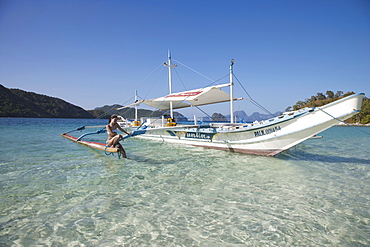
(19, 103)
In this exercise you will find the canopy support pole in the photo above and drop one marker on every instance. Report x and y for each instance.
(231, 92)
(168, 64)
(136, 105)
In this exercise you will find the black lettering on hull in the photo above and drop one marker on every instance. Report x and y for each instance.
(266, 131)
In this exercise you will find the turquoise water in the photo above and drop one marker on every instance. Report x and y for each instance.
(57, 193)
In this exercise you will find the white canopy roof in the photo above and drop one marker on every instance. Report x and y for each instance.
(196, 97)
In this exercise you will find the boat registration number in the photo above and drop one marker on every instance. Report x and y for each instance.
(266, 131)
(196, 135)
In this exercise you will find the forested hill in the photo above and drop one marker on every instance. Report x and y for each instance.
(321, 99)
(19, 103)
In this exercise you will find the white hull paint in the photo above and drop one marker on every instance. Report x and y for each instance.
(269, 137)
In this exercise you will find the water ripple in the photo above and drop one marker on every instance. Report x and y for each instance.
(168, 195)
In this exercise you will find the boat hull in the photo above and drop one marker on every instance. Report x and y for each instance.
(269, 137)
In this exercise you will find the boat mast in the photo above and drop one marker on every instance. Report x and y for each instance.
(231, 92)
(168, 64)
(135, 105)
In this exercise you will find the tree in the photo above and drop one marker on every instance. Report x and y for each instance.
(338, 94)
(299, 105)
(313, 98)
(348, 94)
(330, 94)
(320, 96)
(363, 117)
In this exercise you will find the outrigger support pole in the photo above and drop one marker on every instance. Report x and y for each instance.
(84, 127)
(92, 133)
(135, 133)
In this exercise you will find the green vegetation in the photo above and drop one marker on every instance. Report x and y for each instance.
(321, 99)
(19, 103)
(364, 116)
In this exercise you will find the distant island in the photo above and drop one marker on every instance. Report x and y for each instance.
(19, 103)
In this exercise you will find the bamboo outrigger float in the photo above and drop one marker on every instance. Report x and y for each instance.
(95, 145)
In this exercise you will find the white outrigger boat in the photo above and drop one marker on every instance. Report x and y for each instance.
(269, 137)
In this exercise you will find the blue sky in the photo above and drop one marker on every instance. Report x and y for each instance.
(93, 53)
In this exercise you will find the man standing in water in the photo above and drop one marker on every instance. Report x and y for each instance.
(113, 136)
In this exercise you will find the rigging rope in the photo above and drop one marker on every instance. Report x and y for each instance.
(342, 121)
(154, 80)
(112, 108)
(252, 100)
(166, 112)
(213, 82)
(204, 87)
(205, 113)
(193, 70)
(139, 84)
(180, 79)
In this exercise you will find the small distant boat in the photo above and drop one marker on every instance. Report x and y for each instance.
(269, 137)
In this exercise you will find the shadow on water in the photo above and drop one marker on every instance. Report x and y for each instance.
(144, 159)
(306, 156)
(113, 158)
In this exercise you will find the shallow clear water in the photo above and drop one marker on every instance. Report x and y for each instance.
(57, 193)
